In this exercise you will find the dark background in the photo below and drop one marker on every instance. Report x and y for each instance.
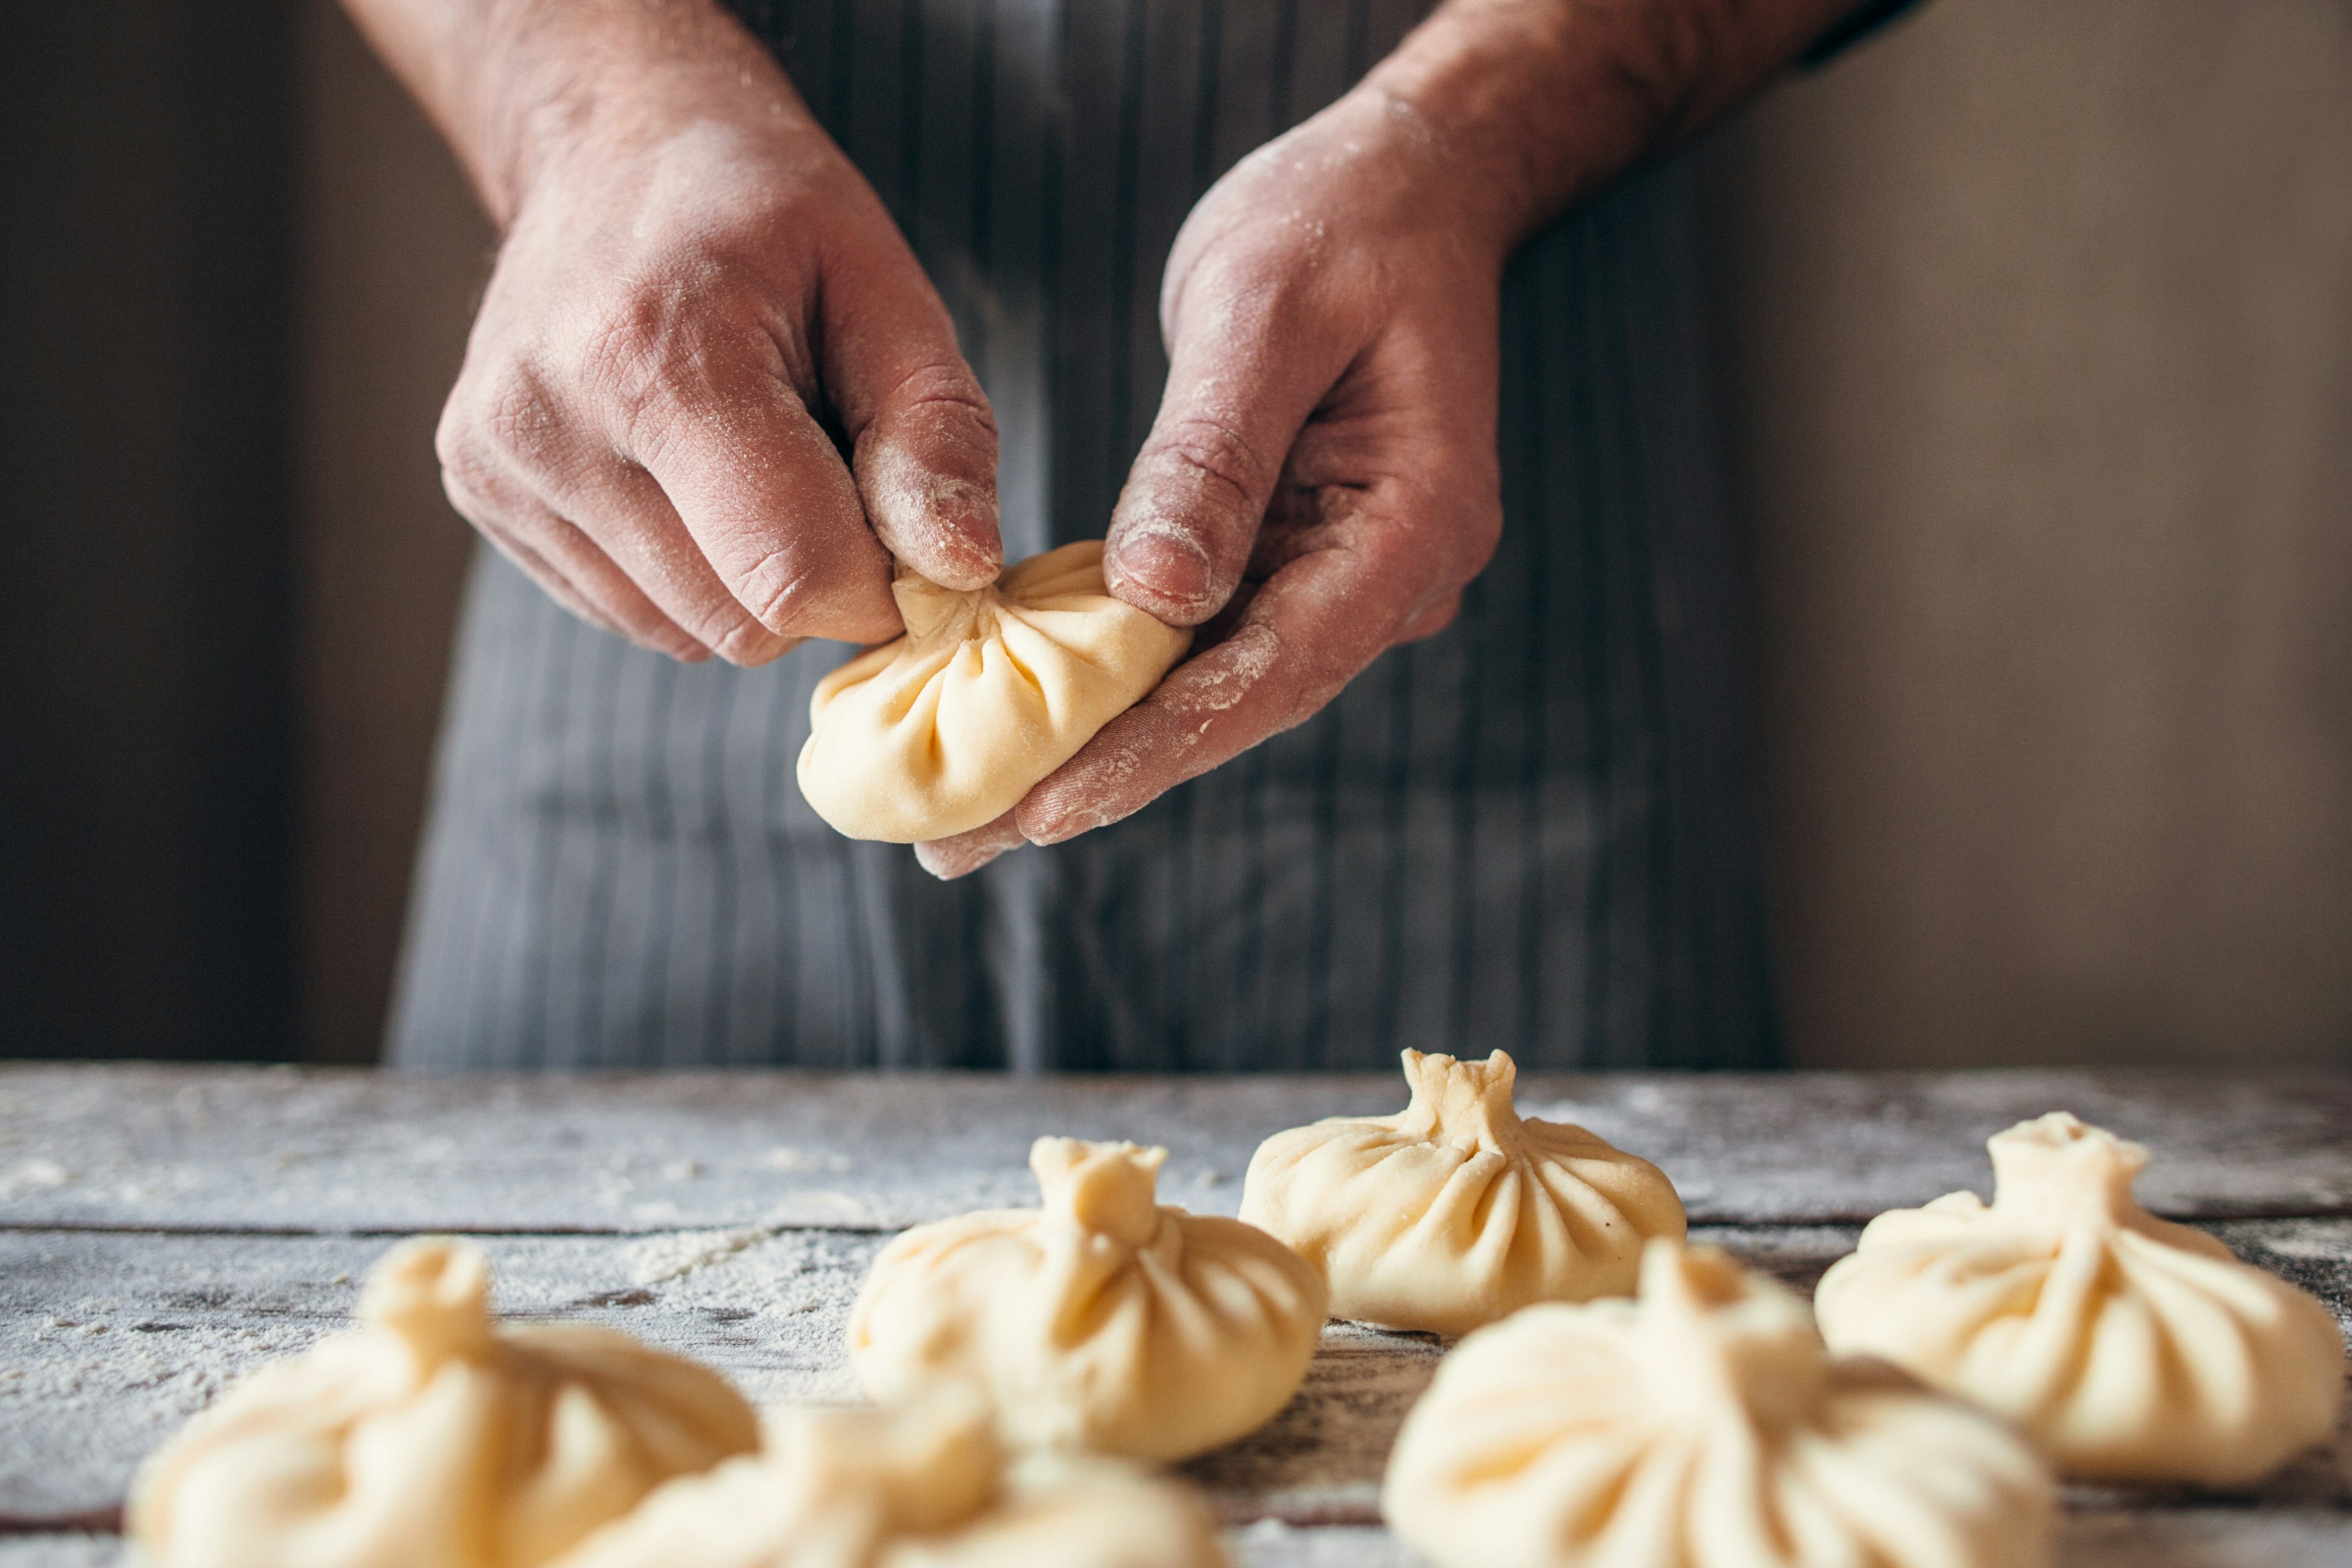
(147, 725)
(2037, 332)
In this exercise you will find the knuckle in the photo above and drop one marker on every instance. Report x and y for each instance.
(470, 503)
(651, 353)
(452, 439)
(780, 590)
(746, 642)
(1433, 618)
(521, 418)
(510, 417)
(473, 494)
(1446, 531)
(1481, 532)
(944, 390)
(1217, 457)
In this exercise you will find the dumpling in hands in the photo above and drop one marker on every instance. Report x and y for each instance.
(1102, 1320)
(946, 729)
(923, 1485)
(429, 1436)
(1454, 1213)
(2132, 1348)
(1701, 1427)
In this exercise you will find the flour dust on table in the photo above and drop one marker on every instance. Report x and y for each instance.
(174, 1228)
(430, 1436)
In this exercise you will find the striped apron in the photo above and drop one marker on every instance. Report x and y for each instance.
(1532, 831)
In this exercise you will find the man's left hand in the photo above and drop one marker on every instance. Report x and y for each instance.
(1321, 480)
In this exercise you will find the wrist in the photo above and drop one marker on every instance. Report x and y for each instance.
(559, 85)
(1537, 104)
(1474, 86)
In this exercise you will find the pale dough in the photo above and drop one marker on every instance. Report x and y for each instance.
(919, 1485)
(1455, 1213)
(1101, 1320)
(429, 1436)
(1701, 1426)
(946, 729)
(2131, 1348)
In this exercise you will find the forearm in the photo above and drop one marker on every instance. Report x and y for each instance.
(513, 83)
(1536, 104)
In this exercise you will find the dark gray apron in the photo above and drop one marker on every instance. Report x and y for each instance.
(1533, 831)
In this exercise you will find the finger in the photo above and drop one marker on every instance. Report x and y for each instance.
(740, 471)
(923, 439)
(1309, 631)
(553, 583)
(1239, 389)
(948, 858)
(565, 562)
(1430, 618)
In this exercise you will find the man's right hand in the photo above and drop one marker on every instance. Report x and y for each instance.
(699, 303)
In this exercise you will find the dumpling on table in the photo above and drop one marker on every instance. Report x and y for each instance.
(947, 728)
(922, 1485)
(1701, 1426)
(1454, 1213)
(2131, 1348)
(430, 1436)
(1104, 1319)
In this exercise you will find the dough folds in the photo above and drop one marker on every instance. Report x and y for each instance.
(1454, 1213)
(1701, 1427)
(2131, 1348)
(1102, 1320)
(923, 1485)
(946, 729)
(430, 1436)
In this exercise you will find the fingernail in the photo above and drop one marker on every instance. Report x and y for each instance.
(948, 858)
(947, 864)
(961, 520)
(1166, 565)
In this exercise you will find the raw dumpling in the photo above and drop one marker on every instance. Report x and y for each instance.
(946, 729)
(1455, 1213)
(2131, 1348)
(1701, 1426)
(1102, 1320)
(428, 1436)
(923, 1485)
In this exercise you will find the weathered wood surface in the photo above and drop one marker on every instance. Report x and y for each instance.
(162, 1231)
(2192, 1538)
(110, 1339)
(322, 1150)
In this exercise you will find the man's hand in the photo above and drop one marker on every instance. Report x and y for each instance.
(1322, 480)
(699, 303)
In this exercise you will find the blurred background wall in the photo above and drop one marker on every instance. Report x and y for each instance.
(2038, 326)
(394, 256)
(147, 734)
(2041, 328)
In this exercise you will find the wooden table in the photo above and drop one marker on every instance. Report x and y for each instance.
(163, 1230)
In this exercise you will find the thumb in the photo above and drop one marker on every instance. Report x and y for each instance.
(924, 440)
(1185, 523)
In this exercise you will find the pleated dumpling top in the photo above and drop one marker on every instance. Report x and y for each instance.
(1103, 1321)
(1454, 1213)
(1701, 1426)
(2131, 1348)
(920, 1485)
(947, 728)
(429, 1436)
